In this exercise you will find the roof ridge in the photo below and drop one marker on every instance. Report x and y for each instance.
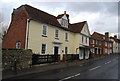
(38, 9)
(99, 33)
(79, 22)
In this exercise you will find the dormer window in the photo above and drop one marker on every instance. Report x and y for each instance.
(64, 22)
(63, 19)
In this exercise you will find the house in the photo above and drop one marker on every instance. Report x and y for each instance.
(116, 44)
(101, 44)
(44, 33)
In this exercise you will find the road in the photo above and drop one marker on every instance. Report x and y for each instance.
(104, 68)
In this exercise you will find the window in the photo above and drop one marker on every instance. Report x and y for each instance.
(43, 49)
(82, 39)
(100, 42)
(110, 50)
(18, 44)
(56, 34)
(93, 50)
(96, 42)
(105, 50)
(86, 40)
(110, 44)
(105, 43)
(64, 23)
(66, 36)
(66, 50)
(92, 41)
(44, 30)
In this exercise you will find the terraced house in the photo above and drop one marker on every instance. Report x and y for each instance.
(101, 44)
(116, 44)
(44, 33)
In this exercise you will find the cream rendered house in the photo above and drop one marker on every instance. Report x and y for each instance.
(116, 44)
(47, 34)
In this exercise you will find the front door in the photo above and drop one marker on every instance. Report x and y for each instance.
(56, 49)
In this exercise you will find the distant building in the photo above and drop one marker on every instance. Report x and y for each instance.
(116, 44)
(44, 33)
(101, 44)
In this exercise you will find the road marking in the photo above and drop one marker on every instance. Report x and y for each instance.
(94, 68)
(69, 77)
(108, 62)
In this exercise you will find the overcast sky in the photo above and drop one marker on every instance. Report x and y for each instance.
(101, 16)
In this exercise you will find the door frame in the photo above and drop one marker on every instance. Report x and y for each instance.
(56, 45)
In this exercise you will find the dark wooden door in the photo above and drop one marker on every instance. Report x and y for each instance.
(56, 49)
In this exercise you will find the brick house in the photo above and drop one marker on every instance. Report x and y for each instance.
(44, 33)
(101, 44)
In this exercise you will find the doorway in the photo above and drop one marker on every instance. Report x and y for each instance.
(56, 51)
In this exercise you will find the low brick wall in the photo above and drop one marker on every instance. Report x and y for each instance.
(16, 58)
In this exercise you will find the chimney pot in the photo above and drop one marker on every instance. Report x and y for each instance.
(64, 12)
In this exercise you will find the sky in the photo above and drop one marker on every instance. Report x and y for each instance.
(101, 16)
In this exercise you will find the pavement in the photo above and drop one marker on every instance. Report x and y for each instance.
(46, 67)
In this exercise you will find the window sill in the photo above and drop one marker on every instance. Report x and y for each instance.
(57, 38)
(66, 40)
(44, 35)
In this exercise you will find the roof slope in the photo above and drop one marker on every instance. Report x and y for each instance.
(115, 39)
(100, 36)
(42, 16)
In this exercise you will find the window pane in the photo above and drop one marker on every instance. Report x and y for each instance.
(56, 33)
(18, 44)
(43, 48)
(66, 36)
(44, 30)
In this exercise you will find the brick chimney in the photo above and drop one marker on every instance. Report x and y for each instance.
(64, 12)
(115, 36)
(106, 34)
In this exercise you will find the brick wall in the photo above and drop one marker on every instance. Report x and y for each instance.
(23, 58)
(17, 29)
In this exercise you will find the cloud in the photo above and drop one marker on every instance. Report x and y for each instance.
(79, 7)
(101, 16)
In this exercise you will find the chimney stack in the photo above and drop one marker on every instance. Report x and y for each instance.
(115, 36)
(64, 12)
(106, 34)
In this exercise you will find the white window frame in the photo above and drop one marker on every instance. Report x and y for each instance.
(43, 30)
(18, 44)
(57, 36)
(105, 43)
(106, 50)
(64, 22)
(42, 48)
(110, 44)
(66, 38)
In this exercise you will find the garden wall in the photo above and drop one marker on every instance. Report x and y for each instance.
(16, 58)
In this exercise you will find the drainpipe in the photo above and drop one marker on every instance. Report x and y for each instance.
(27, 34)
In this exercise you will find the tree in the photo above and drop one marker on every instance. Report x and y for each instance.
(3, 27)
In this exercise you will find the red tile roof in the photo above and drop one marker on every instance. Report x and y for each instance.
(100, 37)
(117, 40)
(44, 17)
